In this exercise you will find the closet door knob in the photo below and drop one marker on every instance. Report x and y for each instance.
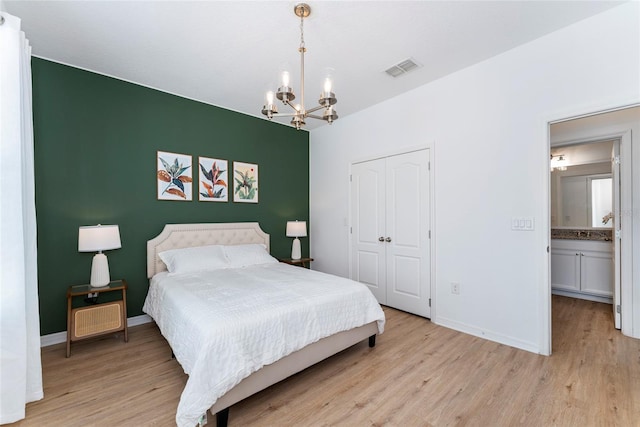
(381, 239)
(388, 239)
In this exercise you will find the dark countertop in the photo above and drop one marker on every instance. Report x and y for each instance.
(582, 234)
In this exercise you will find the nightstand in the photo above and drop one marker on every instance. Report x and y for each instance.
(302, 262)
(96, 319)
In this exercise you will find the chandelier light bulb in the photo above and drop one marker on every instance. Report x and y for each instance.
(269, 108)
(327, 85)
(285, 79)
(270, 97)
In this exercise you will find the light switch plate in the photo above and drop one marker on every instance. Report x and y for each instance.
(523, 223)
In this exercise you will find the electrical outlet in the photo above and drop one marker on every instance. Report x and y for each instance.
(455, 288)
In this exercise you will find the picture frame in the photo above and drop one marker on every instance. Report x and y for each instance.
(213, 181)
(174, 176)
(245, 182)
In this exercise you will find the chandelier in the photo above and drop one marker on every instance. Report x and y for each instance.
(286, 95)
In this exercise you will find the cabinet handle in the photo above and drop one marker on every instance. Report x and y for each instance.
(577, 254)
(381, 239)
(388, 239)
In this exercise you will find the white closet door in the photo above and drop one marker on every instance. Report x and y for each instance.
(407, 232)
(368, 221)
(390, 242)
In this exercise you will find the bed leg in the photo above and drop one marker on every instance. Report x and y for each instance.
(372, 341)
(222, 418)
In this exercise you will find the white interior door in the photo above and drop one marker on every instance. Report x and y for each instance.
(615, 174)
(368, 263)
(407, 232)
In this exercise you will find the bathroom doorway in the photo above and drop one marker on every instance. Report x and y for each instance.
(585, 209)
(573, 134)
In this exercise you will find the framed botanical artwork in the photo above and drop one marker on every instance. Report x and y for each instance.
(213, 180)
(174, 176)
(245, 182)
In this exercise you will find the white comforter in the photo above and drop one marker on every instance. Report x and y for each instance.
(223, 325)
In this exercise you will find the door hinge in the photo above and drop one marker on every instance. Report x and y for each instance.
(618, 308)
(430, 302)
(428, 165)
(350, 230)
(429, 233)
(350, 178)
(547, 249)
(616, 160)
(618, 234)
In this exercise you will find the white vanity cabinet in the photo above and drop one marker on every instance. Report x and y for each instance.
(582, 269)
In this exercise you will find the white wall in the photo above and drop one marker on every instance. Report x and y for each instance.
(487, 125)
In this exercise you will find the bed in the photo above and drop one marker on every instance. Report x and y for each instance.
(336, 314)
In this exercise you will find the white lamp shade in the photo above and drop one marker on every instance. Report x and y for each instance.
(97, 238)
(296, 228)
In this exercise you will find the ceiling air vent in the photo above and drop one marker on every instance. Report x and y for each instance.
(402, 67)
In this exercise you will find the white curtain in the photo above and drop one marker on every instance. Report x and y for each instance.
(20, 367)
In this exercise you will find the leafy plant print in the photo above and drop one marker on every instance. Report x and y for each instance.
(174, 173)
(246, 182)
(213, 185)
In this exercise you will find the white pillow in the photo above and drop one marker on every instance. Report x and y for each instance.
(246, 255)
(199, 258)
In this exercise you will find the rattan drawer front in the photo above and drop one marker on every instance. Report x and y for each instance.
(95, 320)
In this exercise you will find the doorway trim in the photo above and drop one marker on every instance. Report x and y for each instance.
(545, 344)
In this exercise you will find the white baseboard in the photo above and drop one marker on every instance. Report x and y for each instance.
(580, 295)
(488, 335)
(60, 337)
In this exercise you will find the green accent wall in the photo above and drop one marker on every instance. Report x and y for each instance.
(96, 140)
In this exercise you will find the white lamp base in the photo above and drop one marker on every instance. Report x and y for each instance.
(296, 253)
(99, 271)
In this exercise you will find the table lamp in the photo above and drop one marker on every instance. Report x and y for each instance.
(98, 238)
(296, 229)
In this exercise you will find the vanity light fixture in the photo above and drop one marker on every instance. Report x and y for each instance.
(285, 92)
(560, 163)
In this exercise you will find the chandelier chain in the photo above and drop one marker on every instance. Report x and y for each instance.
(301, 31)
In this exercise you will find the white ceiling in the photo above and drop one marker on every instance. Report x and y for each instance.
(228, 53)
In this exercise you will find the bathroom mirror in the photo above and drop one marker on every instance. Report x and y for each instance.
(581, 196)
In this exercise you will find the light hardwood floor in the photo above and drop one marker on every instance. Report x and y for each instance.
(418, 374)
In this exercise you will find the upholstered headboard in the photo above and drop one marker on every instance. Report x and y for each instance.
(176, 236)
